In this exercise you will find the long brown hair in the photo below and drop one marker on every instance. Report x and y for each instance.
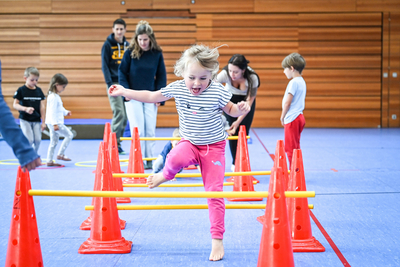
(143, 27)
(57, 79)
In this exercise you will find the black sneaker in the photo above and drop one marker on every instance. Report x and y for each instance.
(121, 151)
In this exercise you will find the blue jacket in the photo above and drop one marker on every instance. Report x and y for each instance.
(13, 134)
(146, 73)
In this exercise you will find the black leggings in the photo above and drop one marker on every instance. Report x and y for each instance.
(246, 122)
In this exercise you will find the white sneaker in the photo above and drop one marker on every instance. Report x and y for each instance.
(233, 168)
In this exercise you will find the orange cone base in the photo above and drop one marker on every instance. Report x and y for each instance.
(245, 199)
(232, 179)
(91, 246)
(134, 181)
(190, 167)
(261, 219)
(123, 200)
(307, 245)
(87, 224)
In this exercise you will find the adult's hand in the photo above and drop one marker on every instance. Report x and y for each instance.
(32, 165)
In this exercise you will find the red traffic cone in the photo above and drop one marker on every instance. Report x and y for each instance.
(135, 164)
(279, 161)
(106, 135)
(239, 157)
(23, 242)
(276, 244)
(87, 224)
(116, 167)
(105, 235)
(299, 214)
(243, 183)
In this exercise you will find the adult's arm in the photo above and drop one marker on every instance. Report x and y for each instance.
(105, 62)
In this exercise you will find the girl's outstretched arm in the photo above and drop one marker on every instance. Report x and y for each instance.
(138, 95)
(236, 110)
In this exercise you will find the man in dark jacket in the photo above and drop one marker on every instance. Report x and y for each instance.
(111, 55)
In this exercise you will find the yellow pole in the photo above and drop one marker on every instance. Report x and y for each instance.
(138, 175)
(171, 138)
(192, 194)
(187, 207)
(178, 185)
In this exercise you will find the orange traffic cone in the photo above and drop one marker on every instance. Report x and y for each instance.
(116, 167)
(276, 244)
(243, 183)
(106, 135)
(299, 214)
(279, 161)
(87, 224)
(23, 242)
(105, 235)
(242, 146)
(135, 164)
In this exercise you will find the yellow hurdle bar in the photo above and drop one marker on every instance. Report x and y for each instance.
(127, 160)
(178, 185)
(188, 207)
(138, 175)
(139, 194)
(171, 138)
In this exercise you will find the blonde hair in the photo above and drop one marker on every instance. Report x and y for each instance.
(31, 70)
(176, 133)
(205, 56)
(143, 27)
(294, 60)
(59, 79)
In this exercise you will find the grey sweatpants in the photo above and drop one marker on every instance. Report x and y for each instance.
(119, 119)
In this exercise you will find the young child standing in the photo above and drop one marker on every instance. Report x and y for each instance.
(55, 113)
(293, 103)
(159, 163)
(199, 102)
(28, 100)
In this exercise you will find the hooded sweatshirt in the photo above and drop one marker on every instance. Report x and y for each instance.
(111, 55)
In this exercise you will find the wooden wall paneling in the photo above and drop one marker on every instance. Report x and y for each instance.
(171, 4)
(258, 48)
(378, 5)
(394, 73)
(19, 62)
(19, 35)
(176, 41)
(70, 61)
(342, 118)
(344, 89)
(385, 70)
(221, 6)
(294, 6)
(340, 19)
(25, 7)
(321, 47)
(132, 22)
(262, 33)
(70, 48)
(19, 48)
(338, 33)
(84, 21)
(167, 120)
(20, 21)
(82, 108)
(74, 34)
(344, 62)
(73, 75)
(88, 6)
(255, 20)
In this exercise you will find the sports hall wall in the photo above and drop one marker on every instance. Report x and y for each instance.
(352, 49)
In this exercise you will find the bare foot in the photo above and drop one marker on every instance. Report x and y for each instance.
(155, 180)
(217, 250)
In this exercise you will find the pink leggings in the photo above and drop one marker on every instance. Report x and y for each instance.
(292, 136)
(211, 159)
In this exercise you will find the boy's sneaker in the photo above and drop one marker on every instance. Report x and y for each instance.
(121, 151)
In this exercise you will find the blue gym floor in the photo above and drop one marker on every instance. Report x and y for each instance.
(355, 173)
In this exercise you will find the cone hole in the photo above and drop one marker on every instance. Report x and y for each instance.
(15, 242)
(104, 171)
(40, 264)
(16, 217)
(244, 184)
(298, 208)
(298, 227)
(13, 265)
(33, 216)
(280, 157)
(104, 209)
(277, 195)
(276, 246)
(36, 240)
(297, 170)
(18, 193)
(276, 220)
(104, 228)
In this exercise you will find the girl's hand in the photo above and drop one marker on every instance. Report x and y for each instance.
(243, 107)
(43, 126)
(56, 127)
(116, 90)
(232, 130)
(69, 113)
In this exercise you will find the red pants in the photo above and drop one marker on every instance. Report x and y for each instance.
(211, 159)
(292, 136)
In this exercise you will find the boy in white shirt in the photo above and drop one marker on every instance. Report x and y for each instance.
(293, 103)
